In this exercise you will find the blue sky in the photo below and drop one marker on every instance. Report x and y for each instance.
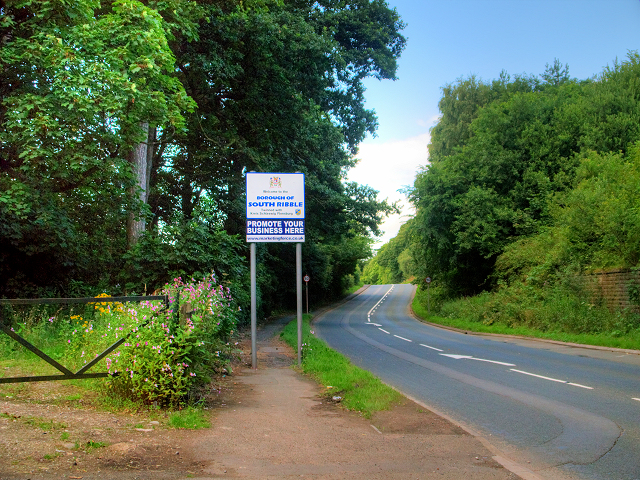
(449, 39)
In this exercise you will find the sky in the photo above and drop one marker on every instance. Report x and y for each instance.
(451, 39)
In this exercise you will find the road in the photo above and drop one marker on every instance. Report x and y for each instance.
(561, 412)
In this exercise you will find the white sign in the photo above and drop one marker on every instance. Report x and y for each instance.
(275, 207)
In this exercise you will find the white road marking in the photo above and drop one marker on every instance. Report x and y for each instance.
(469, 357)
(493, 361)
(384, 330)
(402, 338)
(633, 398)
(432, 348)
(538, 376)
(374, 324)
(379, 301)
(581, 386)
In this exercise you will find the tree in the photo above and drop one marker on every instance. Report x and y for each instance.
(500, 154)
(210, 90)
(77, 83)
(279, 88)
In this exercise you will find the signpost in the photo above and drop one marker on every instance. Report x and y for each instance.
(275, 213)
(306, 284)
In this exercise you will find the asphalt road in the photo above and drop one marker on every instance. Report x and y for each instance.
(559, 411)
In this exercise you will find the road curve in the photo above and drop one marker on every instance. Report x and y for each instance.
(562, 412)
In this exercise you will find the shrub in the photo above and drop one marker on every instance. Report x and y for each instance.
(169, 354)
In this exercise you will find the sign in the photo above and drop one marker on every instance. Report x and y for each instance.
(428, 280)
(306, 278)
(275, 207)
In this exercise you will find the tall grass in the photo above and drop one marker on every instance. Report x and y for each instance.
(165, 357)
(557, 313)
(359, 390)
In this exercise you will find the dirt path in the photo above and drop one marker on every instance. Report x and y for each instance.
(269, 423)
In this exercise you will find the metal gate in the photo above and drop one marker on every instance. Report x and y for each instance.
(66, 373)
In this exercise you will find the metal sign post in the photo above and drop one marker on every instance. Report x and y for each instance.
(254, 354)
(306, 284)
(428, 280)
(299, 299)
(275, 213)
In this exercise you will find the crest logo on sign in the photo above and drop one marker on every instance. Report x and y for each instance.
(275, 182)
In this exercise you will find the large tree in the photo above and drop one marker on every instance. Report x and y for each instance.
(78, 81)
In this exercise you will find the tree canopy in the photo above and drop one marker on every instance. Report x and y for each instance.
(213, 89)
(502, 155)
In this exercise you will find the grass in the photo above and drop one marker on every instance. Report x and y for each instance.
(353, 289)
(91, 446)
(37, 422)
(629, 341)
(190, 417)
(359, 389)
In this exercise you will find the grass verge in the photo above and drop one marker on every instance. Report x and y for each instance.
(630, 341)
(190, 418)
(359, 390)
(353, 289)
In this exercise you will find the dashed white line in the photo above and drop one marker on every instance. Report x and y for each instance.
(432, 348)
(493, 361)
(379, 302)
(633, 398)
(384, 330)
(581, 386)
(538, 376)
(402, 338)
(374, 324)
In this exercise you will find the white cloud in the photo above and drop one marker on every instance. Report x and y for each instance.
(388, 167)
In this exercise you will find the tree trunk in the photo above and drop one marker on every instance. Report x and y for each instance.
(138, 161)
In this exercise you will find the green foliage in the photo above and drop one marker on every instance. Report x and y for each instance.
(568, 307)
(77, 81)
(394, 262)
(190, 418)
(197, 249)
(359, 390)
(593, 226)
(170, 356)
(500, 155)
(166, 358)
(225, 87)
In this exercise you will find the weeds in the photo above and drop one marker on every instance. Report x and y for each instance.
(90, 446)
(165, 357)
(562, 312)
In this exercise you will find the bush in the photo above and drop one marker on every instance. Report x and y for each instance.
(169, 354)
(567, 307)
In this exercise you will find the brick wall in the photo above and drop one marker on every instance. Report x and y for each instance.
(613, 287)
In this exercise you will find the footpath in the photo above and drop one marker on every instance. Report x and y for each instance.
(280, 427)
